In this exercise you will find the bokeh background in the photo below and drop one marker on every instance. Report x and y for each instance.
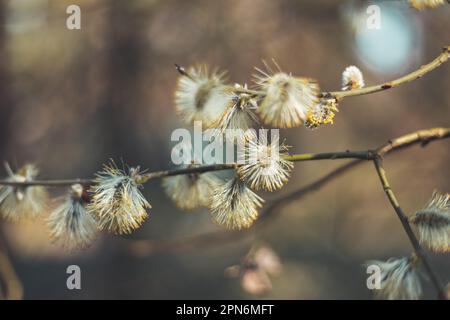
(72, 99)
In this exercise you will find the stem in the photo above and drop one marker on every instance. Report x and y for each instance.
(362, 155)
(378, 162)
(439, 60)
(421, 136)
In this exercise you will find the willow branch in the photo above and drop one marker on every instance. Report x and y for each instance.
(438, 61)
(364, 155)
(416, 74)
(378, 162)
(421, 137)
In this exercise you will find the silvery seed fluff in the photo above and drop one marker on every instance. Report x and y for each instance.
(399, 279)
(117, 203)
(352, 78)
(190, 191)
(201, 96)
(425, 4)
(287, 99)
(433, 223)
(265, 166)
(18, 203)
(71, 223)
(234, 205)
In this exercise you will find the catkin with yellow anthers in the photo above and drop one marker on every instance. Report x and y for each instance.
(426, 4)
(21, 202)
(234, 205)
(399, 279)
(322, 113)
(265, 167)
(287, 99)
(190, 191)
(433, 223)
(201, 96)
(70, 222)
(117, 203)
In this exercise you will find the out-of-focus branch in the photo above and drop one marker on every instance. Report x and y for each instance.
(9, 281)
(422, 137)
(378, 162)
(438, 61)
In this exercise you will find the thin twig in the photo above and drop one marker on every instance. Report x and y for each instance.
(378, 162)
(416, 74)
(365, 155)
(421, 136)
(439, 60)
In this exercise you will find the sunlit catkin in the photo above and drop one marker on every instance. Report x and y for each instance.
(287, 99)
(352, 78)
(117, 203)
(201, 96)
(234, 205)
(265, 166)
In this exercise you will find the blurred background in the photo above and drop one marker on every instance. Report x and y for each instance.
(72, 99)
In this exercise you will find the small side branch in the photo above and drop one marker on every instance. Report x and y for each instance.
(378, 162)
(438, 61)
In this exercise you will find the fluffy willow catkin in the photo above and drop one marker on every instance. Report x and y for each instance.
(239, 116)
(433, 223)
(399, 279)
(21, 202)
(265, 167)
(352, 78)
(117, 203)
(201, 96)
(234, 205)
(70, 222)
(287, 99)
